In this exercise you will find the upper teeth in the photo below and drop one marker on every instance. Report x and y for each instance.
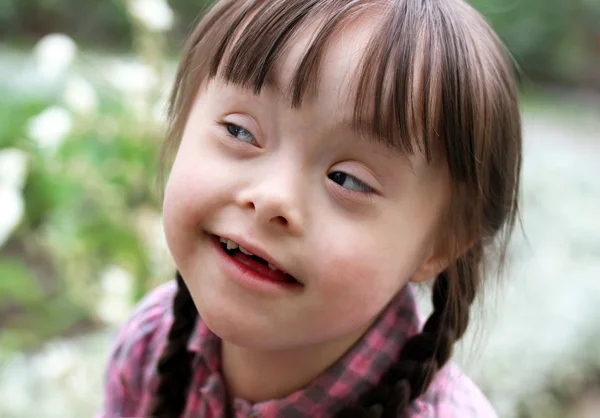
(245, 251)
(231, 245)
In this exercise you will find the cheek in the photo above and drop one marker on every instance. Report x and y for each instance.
(188, 201)
(195, 180)
(178, 218)
(361, 271)
(178, 204)
(356, 285)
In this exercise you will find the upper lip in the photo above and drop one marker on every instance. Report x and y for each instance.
(253, 249)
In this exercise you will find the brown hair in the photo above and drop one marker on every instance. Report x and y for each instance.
(434, 79)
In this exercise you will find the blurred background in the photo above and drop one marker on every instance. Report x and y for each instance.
(83, 85)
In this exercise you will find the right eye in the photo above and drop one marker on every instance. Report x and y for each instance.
(349, 182)
(239, 133)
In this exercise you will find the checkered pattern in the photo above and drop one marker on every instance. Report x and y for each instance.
(131, 375)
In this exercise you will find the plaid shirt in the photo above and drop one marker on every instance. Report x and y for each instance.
(131, 374)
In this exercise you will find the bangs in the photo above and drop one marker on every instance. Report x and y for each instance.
(414, 85)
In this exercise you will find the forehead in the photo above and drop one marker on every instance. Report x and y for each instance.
(346, 64)
(332, 99)
(339, 67)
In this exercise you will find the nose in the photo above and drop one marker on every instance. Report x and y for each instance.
(275, 201)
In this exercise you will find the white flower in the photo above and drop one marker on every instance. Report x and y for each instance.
(11, 211)
(156, 15)
(115, 303)
(112, 310)
(160, 109)
(132, 78)
(116, 280)
(135, 81)
(13, 168)
(50, 127)
(150, 227)
(57, 360)
(80, 95)
(54, 54)
(15, 385)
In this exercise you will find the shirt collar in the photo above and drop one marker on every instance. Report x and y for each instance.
(203, 341)
(364, 364)
(355, 373)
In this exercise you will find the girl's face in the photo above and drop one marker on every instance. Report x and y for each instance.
(350, 219)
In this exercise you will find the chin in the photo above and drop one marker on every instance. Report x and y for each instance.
(241, 334)
(231, 324)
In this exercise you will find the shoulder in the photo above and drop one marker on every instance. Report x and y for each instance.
(131, 362)
(151, 316)
(452, 394)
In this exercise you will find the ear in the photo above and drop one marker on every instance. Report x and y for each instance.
(436, 263)
(429, 269)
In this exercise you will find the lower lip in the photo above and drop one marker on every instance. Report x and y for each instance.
(248, 277)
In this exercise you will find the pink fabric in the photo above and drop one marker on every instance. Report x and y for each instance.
(131, 375)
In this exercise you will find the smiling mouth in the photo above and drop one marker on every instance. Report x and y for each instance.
(254, 262)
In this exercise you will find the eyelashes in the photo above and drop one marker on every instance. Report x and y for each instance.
(239, 133)
(349, 183)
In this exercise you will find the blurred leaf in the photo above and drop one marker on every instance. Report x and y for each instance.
(30, 328)
(18, 283)
(115, 244)
(48, 190)
(17, 339)
(8, 15)
(15, 112)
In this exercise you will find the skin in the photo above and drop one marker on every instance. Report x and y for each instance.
(352, 246)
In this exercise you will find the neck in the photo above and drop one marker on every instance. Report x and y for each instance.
(260, 375)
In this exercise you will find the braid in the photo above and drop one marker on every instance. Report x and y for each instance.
(425, 354)
(174, 366)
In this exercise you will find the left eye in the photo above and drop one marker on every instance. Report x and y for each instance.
(349, 182)
(239, 133)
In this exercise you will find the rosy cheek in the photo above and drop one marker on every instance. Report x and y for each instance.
(174, 223)
(182, 206)
(354, 286)
(178, 203)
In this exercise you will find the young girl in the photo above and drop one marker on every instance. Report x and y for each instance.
(329, 153)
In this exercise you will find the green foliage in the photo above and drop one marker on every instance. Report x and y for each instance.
(14, 116)
(18, 284)
(550, 39)
(82, 214)
(89, 21)
(35, 316)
